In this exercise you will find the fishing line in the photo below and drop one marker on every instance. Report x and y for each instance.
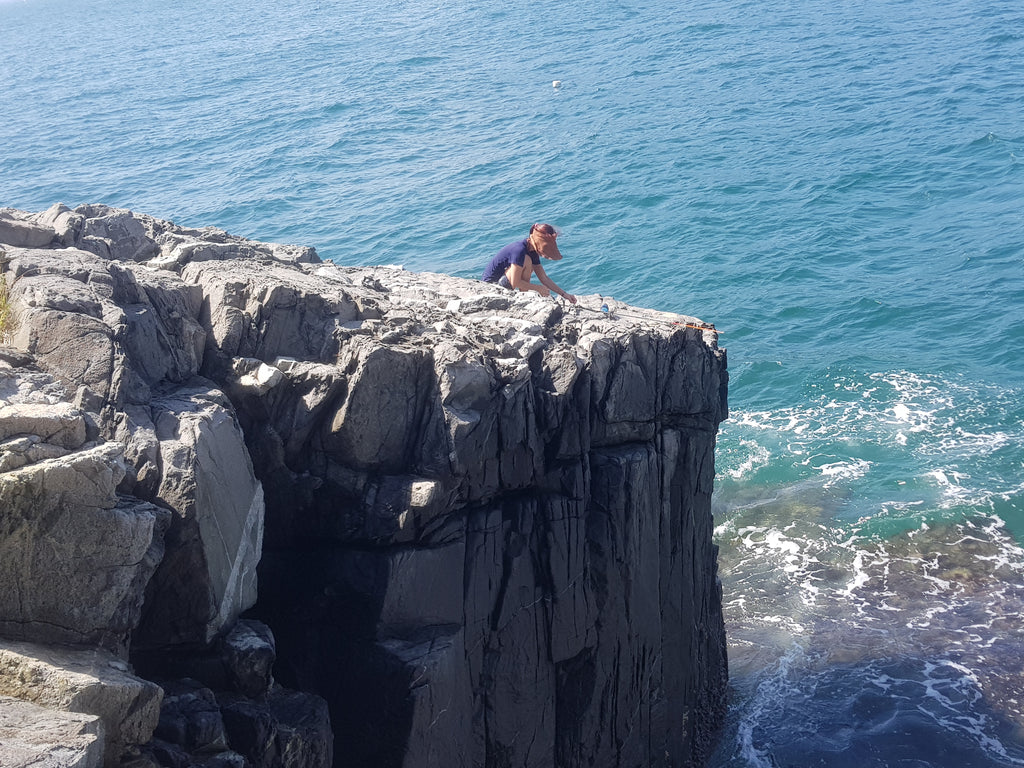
(616, 313)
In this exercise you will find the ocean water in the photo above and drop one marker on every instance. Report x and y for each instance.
(836, 184)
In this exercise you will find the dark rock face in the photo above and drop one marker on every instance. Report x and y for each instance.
(481, 520)
(573, 622)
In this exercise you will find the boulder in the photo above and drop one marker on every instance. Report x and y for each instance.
(376, 425)
(249, 653)
(65, 223)
(74, 558)
(190, 718)
(158, 326)
(285, 729)
(116, 234)
(269, 310)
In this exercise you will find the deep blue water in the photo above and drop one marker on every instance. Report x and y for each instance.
(837, 186)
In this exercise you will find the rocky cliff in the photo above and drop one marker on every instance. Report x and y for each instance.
(256, 510)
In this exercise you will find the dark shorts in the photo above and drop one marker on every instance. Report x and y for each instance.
(504, 283)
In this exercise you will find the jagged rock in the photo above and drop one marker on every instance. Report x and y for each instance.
(11, 358)
(556, 468)
(123, 235)
(111, 328)
(74, 559)
(65, 223)
(267, 310)
(190, 718)
(36, 737)
(374, 427)
(249, 653)
(285, 729)
(158, 324)
(29, 449)
(116, 234)
(59, 308)
(133, 428)
(36, 421)
(18, 228)
(308, 390)
(254, 378)
(86, 681)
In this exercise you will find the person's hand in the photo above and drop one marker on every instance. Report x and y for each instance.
(571, 298)
(543, 291)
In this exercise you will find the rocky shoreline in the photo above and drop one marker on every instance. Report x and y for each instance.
(262, 510)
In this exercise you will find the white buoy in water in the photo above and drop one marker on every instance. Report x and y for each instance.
(556, 83)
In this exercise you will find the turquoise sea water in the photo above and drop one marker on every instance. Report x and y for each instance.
(837, 186)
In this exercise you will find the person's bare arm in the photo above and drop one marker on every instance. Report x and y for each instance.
(543, 277)
(519, 279)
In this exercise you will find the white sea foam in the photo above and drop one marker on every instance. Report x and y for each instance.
(884, 429)
(757, 456)
(860, 576)
(845, 470)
